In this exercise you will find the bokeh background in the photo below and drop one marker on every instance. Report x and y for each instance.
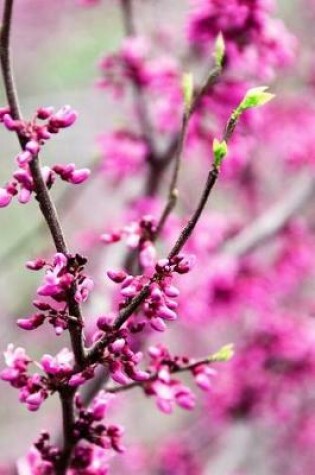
(57, 46)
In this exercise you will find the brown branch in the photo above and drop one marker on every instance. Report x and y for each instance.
(128, 17)
(66, 396)
(51, 217)
(173, 191)
(190, 226)
(210, 80)
(46, 204)
(139, 99)
(185, 234)
(126, 312)
(6, 60)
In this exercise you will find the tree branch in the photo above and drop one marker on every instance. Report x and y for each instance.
(46, 204)
(66, 396)
(140, 103)
(210, 80)
(64, 202)
(273, 220)
(49, 213)
(126, 312)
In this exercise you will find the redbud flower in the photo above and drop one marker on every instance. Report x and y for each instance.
(117, 276)
(36, 264)
(31, 323)
(63, 118)
(61, 364)
(5, 198)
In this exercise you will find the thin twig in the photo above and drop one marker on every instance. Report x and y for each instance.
(126, 312)
(173, 191)
(210, 80)
(185, 234)
(175, 370)
(128, 17)
(190, 226)
(127, 9)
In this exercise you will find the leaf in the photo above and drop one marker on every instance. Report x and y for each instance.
(220, 150)
(226, 353)
(219, 50)
(188, 89)
(255, 97)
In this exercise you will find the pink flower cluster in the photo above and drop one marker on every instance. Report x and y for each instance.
(35, 388)
(35, 134)
(158, 78)
(63, 275)
(94, 440)
(160, 305)
(135, 233)
(121, 360)
(169, 390)
(88, 425)
(257, 297)
(293, 142)
(254, 39)
(279, 351)
(123, 154)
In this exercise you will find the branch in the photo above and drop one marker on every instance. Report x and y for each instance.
(46, 204)
(126, 312)
(65, 202)
(51, 217)
(210, 80)
(190, 226)
(154, 376)
(68, 417)
(128, 17)
(140, 103)
(155, 172)
(6, 60)
(274, 219)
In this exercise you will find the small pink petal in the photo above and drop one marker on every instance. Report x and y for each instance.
(5, 198)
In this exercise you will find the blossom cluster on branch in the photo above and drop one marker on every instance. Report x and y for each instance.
(195, 272)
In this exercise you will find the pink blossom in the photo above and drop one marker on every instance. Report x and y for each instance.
(249, 32)
(61, 364)
(72, 175)
(63, 118)
(123, 154)
(168, 392)
(5, 198)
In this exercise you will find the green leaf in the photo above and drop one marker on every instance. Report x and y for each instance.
(188, 89)
(220, 150)
(219, 50)
(226, 353)
(255, 97)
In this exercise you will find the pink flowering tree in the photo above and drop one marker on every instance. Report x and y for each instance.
(172, 294)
